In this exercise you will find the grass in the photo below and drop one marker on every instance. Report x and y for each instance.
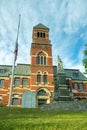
(36, 119)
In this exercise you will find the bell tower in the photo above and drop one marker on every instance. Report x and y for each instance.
(41, 64)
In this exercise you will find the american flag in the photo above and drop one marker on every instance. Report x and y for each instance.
(16, 50)
(16, 44)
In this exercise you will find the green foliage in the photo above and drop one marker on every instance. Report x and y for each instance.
(1, 105)
(85, 58)
(36, 119)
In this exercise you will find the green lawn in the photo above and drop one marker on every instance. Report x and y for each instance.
(36, 119)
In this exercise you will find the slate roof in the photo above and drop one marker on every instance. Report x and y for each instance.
(41, 26)
(75, 74)
(20, 69)
(24, 69)
(5, 70)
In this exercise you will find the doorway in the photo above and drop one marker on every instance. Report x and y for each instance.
(42, 97)
(41, 102)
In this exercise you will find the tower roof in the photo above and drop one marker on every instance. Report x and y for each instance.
(41, 26)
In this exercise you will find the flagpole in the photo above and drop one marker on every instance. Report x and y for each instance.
(13, 67)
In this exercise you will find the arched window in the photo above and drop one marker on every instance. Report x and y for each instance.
(38, 60)
(41, 93)
(45, 78)
(44, 60)
(41, 60)
(39, 77)
(37, 34)
(41, 34)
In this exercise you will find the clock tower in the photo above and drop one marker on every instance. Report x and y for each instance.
(41, 65)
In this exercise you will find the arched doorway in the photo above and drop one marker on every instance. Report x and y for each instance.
(43, 97)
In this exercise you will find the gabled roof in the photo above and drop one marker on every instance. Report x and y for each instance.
(41, 26)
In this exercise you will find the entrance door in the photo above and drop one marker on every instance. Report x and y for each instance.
(41, 102)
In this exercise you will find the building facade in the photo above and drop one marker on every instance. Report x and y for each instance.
(34, 84)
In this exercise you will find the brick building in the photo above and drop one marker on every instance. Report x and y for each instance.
(70, 84)
(34, 84)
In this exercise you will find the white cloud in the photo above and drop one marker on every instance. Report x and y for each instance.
(67, 22)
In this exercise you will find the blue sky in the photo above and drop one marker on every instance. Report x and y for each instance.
(66, 19)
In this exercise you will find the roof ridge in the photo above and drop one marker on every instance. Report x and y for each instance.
(40, 25)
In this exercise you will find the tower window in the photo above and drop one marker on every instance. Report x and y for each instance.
(41, 60)
(41, 34)
(38, 60)
(39, 77)
(44, 60)
(45, 78)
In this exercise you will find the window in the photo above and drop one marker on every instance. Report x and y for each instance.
(41, 60)
(17, 81)
(38, 60)
(41, 93)
(76, 74)
(81, 86)
(15, 101)
(41, 34)
(0, 98)
(45, 78)
(44, 60)
(38, 34)
(39, 77)
(1, 83)
(24, 81)
(76, 86)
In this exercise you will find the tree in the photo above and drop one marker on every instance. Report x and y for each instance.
(85, 58)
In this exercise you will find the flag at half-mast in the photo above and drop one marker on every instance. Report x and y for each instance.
(16, 44)
(16, 50)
